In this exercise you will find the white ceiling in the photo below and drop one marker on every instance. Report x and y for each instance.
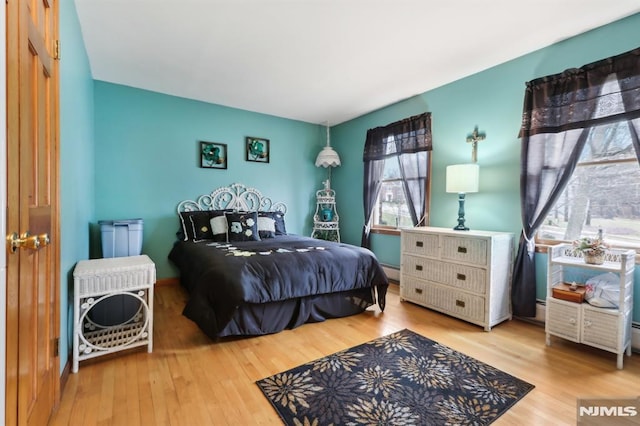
(320, 61)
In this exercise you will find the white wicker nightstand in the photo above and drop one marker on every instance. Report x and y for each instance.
(99, 279)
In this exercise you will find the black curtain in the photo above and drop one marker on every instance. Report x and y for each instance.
(414, 171)
(409, 139)
(559, 112)
(372, 175)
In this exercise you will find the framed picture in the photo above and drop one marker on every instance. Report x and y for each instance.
(213, 155)
(257, 149)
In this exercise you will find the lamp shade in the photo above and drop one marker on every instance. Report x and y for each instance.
(327, 158)
(463, 178)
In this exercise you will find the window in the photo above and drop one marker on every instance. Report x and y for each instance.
(567, 130)
(391, 208)
(603, 193)
(396, 173)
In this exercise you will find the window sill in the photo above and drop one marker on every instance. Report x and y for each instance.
(386, 231)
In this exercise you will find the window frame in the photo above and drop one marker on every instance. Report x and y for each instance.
(542, 244)
(392, 230)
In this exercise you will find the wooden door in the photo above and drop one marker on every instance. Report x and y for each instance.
(32, 380)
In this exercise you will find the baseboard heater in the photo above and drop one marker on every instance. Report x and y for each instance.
(393, 272)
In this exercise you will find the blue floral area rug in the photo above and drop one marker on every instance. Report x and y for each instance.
(399, 379)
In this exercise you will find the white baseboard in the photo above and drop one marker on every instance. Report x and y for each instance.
(635, 327)
(393, 273)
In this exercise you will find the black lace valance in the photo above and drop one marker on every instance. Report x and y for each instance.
(409, 135)
(604, 91)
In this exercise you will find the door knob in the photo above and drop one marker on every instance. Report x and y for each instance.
(25, 240)
(44, 239)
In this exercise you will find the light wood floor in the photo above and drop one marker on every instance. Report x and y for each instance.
(190, 380)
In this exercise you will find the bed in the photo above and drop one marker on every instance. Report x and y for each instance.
(246, 276)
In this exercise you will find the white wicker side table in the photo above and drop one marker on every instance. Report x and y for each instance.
(99, 279)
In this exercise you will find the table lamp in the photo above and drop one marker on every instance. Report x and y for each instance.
(462, 178)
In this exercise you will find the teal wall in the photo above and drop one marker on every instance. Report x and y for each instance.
(76, 162)
(491, 99)
(147, 161)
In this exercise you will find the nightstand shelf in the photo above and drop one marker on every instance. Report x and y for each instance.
(605, 328)
(326, 222)
(95, 282)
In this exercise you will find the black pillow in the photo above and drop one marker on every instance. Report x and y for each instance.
(187, 225)
(196, 225)
(242, 226)
(201, 227)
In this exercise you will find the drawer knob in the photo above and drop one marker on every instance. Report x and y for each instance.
(461, 277)
(572, 320)
(418, 267)
(460, 303)
(419, 244)
(418, 290)
(462, 249)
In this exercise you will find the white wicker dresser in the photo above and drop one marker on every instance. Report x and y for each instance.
(99, 279)
(465, 274)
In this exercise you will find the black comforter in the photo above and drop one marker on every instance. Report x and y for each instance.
(221, 277)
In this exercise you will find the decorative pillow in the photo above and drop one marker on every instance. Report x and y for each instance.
(219, 228)
(187, 225)
(242, 226)
(278, 218)
(196, 225)
(200, 227)
(266, 226)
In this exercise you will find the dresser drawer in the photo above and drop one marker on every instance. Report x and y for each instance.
(455, 303)
(461, 276)
(420, 243)
(421, 267)
(563, 319)
(468, 250)
(413, 289)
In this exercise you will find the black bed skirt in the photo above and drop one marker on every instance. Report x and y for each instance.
(268, 318)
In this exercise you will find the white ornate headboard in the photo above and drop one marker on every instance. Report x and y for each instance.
(233, 197)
